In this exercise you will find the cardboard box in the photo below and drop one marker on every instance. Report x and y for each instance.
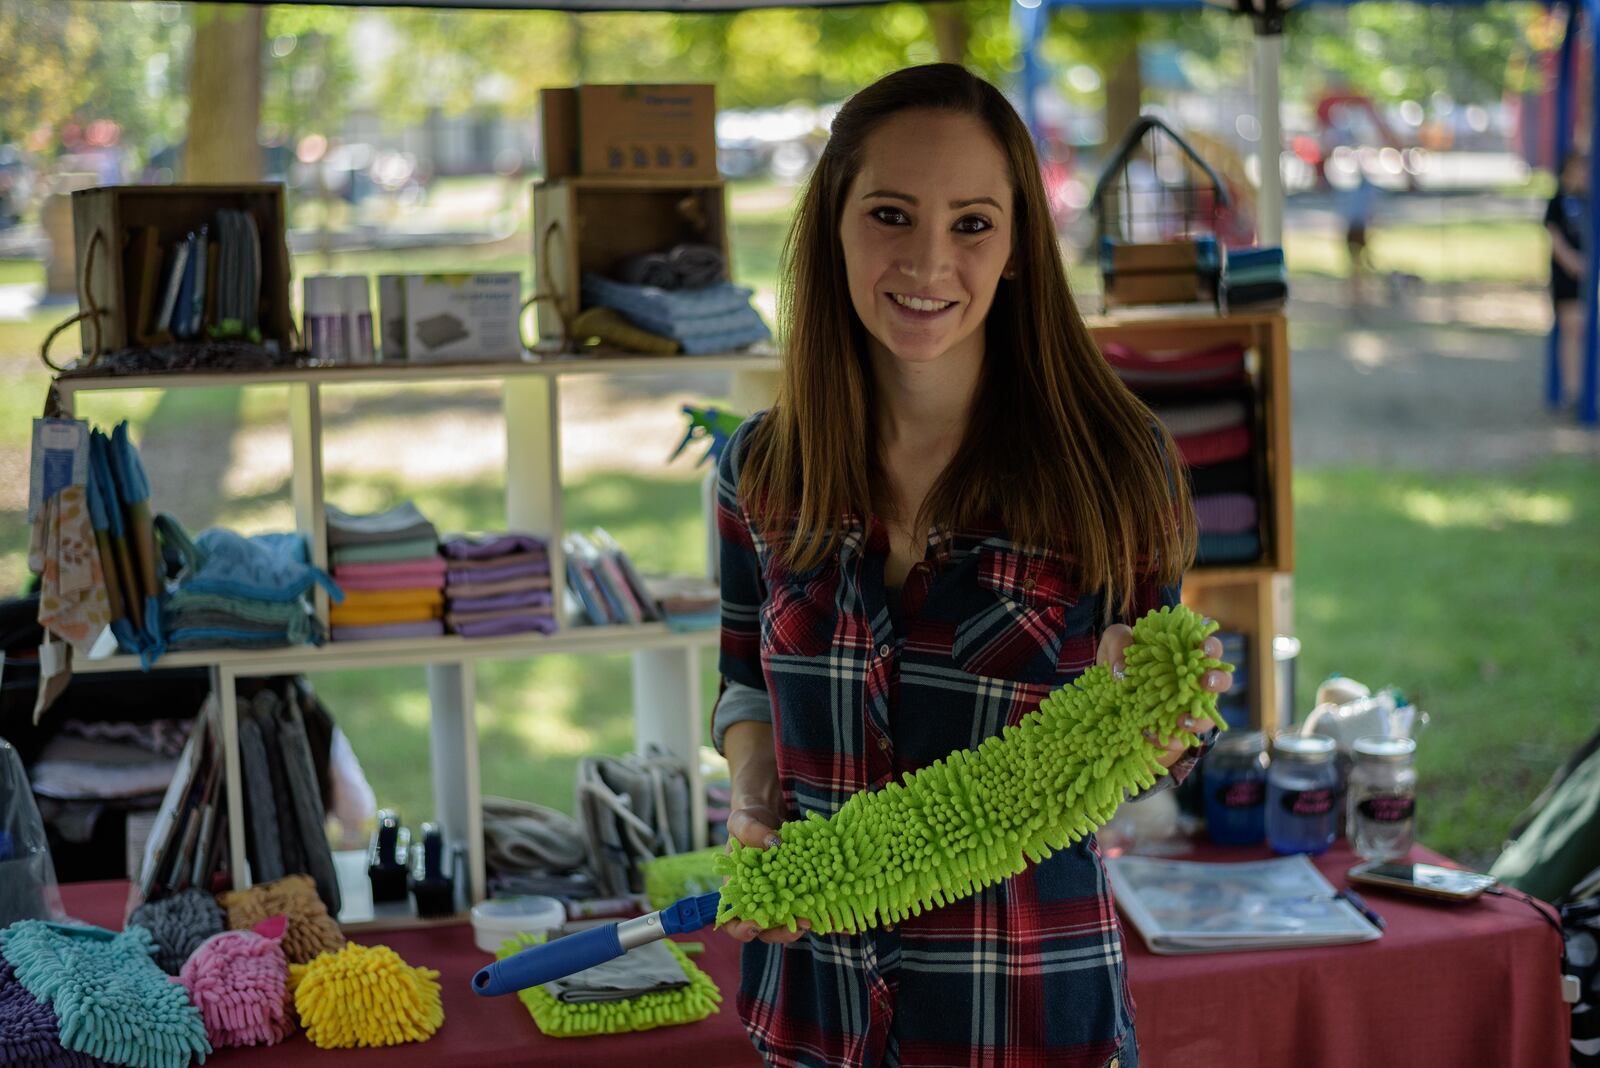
(630, 131)
(438, 318)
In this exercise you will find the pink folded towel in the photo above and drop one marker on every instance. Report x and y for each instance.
(421, 567)
(371, 583)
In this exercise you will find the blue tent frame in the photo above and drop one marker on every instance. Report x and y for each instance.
(1031, 17)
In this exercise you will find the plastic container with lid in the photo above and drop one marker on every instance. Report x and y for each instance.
(1235, 785)
(1302, 794)
(1382, 798)
(499, 918)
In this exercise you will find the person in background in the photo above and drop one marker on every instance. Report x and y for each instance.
(1357, 205)
(1566, 220)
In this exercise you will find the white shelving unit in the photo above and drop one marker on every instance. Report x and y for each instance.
(669, 709)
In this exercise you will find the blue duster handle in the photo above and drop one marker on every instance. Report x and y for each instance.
(574, 953)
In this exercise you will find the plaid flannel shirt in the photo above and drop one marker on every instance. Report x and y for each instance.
(1024, 974)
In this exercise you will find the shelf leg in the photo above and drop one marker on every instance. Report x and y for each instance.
(667, 712)
(453, 734)
(305, 487)
(532, 405)
(224, 686)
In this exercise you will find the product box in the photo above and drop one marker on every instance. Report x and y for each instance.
(433, 318)
(630, 131)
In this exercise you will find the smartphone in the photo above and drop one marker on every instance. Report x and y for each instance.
(1429, 880)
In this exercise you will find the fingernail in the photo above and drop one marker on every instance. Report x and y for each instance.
(1118, 672)
(770, 841)
(1213, 679)
(804, 925)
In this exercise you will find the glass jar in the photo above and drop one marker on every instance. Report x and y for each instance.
(1382, 798)
(1302, 787)
(1235, 783)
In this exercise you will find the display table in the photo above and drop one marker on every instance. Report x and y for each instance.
(1447, 986)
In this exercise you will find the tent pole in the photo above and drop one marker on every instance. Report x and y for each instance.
(1587, 413)
(1554, 387)
(1269, 204)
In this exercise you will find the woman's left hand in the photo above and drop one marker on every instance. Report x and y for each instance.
(1116, 640)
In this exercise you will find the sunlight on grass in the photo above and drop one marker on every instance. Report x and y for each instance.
(1491, 511)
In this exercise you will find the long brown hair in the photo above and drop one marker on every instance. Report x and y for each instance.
(1056, 447)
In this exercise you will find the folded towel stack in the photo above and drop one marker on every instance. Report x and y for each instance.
(238, 592)
(498, 584)
(713, 318)
(1255, 279)
(388, 566)
(1208, 403)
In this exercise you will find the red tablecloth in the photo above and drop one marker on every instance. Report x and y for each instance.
(1469, 985)
(1448, 986)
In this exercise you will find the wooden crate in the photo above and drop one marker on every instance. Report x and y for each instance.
(1268, 335)
(593, 224)
(174, 210)
(1252, 599)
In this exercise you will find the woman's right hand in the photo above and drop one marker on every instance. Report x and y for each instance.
(754, 825)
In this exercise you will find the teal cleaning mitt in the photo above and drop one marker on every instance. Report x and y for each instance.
(112, 1001)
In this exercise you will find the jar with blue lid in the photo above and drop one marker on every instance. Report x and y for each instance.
(1235, 784)
(1302, 794)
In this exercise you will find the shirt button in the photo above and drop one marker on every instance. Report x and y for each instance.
(883, 742)
(1027, 585)
(883, 650)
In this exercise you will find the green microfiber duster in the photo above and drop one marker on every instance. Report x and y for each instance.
(668, 878)
(978, 816)
(560, 1019)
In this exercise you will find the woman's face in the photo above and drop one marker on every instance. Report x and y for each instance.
(927, 232)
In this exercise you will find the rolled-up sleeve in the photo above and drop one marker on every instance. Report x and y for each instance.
(743, 691)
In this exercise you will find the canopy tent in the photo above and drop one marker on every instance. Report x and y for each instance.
(1032, 16)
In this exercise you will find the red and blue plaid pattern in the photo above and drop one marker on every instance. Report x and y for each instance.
(1023, 975)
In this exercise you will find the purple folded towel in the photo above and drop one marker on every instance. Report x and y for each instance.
(514, 567)
(423, 628)
(464, 547)
(511, 625)
(527, 599)
(1226, 513)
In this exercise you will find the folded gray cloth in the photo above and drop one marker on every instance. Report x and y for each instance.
(650, 270)
(1202, 418)
(403, 522)
(650, 969)
(520, 836)
(697, 265)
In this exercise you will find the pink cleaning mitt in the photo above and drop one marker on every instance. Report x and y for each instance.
(239, 982)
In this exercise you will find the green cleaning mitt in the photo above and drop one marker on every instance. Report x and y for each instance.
(690, 1003)
(981, 815)
(668, 878)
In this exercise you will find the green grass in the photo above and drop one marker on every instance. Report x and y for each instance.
(1486, 251)
(1464, 591)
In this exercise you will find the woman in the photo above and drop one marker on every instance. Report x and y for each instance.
(1565, 219)
(941, 519)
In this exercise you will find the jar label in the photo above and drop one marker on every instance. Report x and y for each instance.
(1387, 809)
(1307, 802)
(1240, 793)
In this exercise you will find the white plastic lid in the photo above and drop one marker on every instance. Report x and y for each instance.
(497, 919)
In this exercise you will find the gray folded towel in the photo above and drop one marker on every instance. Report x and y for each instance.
(403, 522)
(650, 969)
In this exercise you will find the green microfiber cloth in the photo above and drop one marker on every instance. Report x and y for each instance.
(980, 815)
(559, 1019)
(666, 879)
(112, 1000)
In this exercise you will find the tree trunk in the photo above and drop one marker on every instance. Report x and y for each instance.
(950, 31)
(225, 94)
(1124, 89)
